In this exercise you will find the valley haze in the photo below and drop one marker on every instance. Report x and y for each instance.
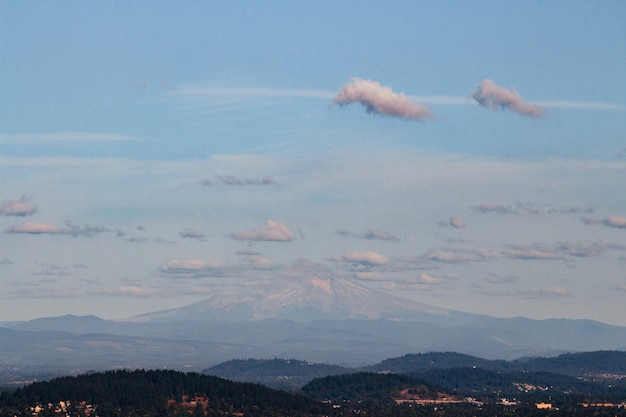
(321, 318)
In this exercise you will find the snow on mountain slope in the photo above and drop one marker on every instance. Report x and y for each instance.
(308, 291)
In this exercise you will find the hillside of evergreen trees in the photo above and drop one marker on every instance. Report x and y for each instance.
(366, 387)
(161, 393)
(285, 374)
(574, 364)
(156, 393)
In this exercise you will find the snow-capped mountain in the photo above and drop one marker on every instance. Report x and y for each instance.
(307, 291)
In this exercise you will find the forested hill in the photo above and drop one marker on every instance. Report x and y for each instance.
(164, 393)
(574, 364)
(286, 374)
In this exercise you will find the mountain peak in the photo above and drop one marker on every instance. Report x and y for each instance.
(306, 291)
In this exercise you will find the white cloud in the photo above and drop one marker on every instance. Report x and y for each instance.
(457, 222)
(18, 208)
(363, 258)
(615, 221)
(193, 268)
(192, 234)
(380, 100)
(261, 263)
(495, 97)
(273, 231)
(530, 253)
(35, 228)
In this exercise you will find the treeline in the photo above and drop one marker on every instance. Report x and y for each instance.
(285, 374)
(366, 387)
(574, 364)
(164, 393)
(158, 393)
(525, 385)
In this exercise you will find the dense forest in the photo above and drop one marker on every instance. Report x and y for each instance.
(171, 393)
(418, 385)
(575, 364)
(155, 393)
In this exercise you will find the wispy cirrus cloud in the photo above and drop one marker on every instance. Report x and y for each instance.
(40, 228)
(232, 180)
(492, 96)
(532, 293)
(18, 208)
(192, 234)
(66, 137)
(380, 100)
(581, 105)
(273, 232)
(532, 252)
(611, 221)
(238, 94)
(370, 234)
(494, 208)
(128, 291)
(529, 208)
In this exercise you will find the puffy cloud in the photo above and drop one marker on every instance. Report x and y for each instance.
(457, 222)
(615, 221)
(18, 208)
(35, 228)
(363, 258)
(192, 234)
(273, 231)
(495, 97)
(428, 279)
(193, 267)
(380, 100)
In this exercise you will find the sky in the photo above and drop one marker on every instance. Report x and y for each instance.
(471, 156)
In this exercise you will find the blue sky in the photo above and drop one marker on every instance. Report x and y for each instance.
(151, 152)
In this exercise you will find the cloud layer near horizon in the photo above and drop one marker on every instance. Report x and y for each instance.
(492, 96)
(380, 100)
